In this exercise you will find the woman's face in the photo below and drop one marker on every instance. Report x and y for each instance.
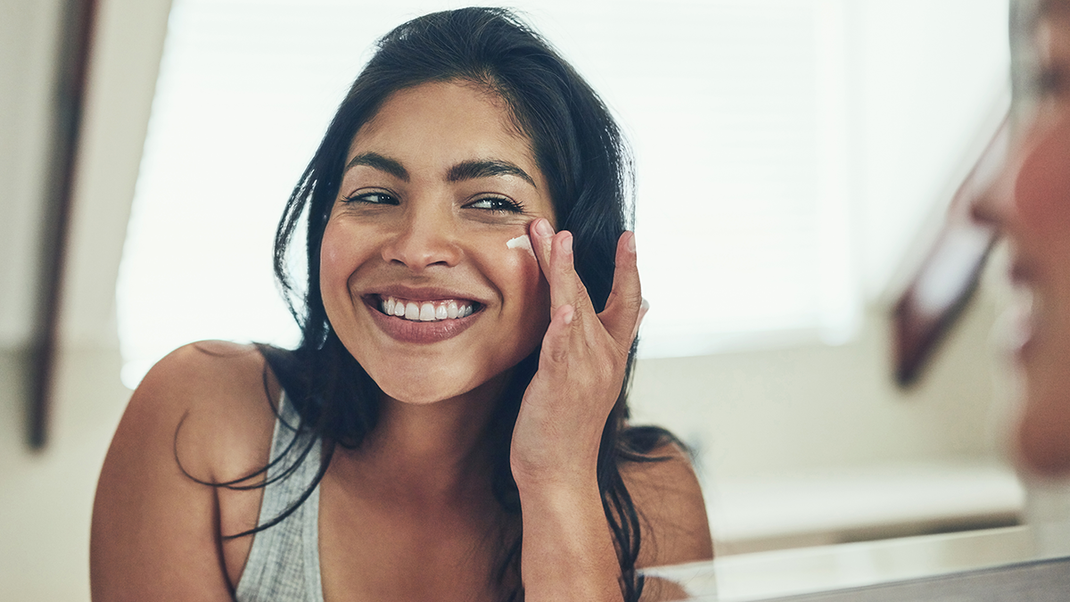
(425, 271)
(1036, 219)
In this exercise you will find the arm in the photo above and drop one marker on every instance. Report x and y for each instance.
(674, 525)
(568, 551)
(155, 531)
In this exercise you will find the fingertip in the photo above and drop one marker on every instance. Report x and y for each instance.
(566, 242)
(626, 248)
(542, 227)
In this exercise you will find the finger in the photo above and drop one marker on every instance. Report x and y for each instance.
(541, 233)
(566, 288)
(556, 341)
(554, 254)
(644, 307)
(621, 315)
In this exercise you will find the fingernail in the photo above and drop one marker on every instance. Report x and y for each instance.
(631, 242)
(566, 242)
(542, 228)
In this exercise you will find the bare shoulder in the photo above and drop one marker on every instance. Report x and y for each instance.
(222, 395)
(671, 508)
(201, 415)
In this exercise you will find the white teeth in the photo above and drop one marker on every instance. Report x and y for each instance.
(426, 311)
(412, 311)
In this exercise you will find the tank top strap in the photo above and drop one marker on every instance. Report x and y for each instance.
(283, 564)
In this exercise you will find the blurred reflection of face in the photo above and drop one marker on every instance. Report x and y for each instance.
(1036, 220)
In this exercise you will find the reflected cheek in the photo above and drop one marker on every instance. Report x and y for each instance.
(1042, 188)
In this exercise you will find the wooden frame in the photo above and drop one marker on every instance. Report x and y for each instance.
(75, 39)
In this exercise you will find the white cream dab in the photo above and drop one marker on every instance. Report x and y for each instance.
(520, 242)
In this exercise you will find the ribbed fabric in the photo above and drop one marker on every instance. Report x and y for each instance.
(284, 563)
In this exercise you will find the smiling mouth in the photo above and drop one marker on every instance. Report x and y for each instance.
(427, 311)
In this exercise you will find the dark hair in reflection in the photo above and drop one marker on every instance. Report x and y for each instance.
(579, 150)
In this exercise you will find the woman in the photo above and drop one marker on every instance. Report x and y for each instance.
(1031, 205)
(452, 425)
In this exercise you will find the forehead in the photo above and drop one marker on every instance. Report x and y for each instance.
(461, 116)
(1051, 34)
(1053, 12)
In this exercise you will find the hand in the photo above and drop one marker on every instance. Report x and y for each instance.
(581, 366)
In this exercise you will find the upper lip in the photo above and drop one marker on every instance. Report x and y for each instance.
(1021, 273)
(423, 293)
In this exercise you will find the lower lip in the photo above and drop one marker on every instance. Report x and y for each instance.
(408, 331)
(1023, 348)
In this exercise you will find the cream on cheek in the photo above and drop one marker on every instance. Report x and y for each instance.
(522, 242)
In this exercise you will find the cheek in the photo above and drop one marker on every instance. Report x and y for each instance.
(1042, 189)
(524, 292)
(329, 254)
(337, 257)
(521, 267)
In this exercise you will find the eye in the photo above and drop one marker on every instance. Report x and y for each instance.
(497, 204)
(371, 198)
(1053, 81)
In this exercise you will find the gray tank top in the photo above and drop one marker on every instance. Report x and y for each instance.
(284, 562)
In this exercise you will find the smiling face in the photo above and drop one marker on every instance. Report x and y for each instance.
(417, 273)
(1036, 219)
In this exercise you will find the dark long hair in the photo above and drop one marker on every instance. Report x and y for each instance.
(579, 150)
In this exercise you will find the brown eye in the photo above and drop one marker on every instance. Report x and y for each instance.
(498, 204)
(1052, 80)
(371, 198)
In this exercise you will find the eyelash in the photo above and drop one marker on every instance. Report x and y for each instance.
(499, 204)
(365, 197)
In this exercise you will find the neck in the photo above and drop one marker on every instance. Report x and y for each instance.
(436, 452)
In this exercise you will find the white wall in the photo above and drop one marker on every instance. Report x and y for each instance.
(782, 411)
(46, 497)
(28, 47)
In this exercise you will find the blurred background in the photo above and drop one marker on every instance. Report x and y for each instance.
(794, 160)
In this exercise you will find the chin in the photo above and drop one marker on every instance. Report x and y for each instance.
(424, 389)
(418, 392)
(1043, 434)
(1043, 453)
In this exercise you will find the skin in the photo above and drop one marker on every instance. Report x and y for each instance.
(410, 514)
(1031, 205)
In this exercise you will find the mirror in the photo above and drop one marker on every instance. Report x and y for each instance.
(791, 158)
(823, 141)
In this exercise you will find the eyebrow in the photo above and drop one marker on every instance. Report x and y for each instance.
(470, 170)
(377, 161)
(465, 170)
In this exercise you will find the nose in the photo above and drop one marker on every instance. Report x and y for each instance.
(424, 237)
(994, 173)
